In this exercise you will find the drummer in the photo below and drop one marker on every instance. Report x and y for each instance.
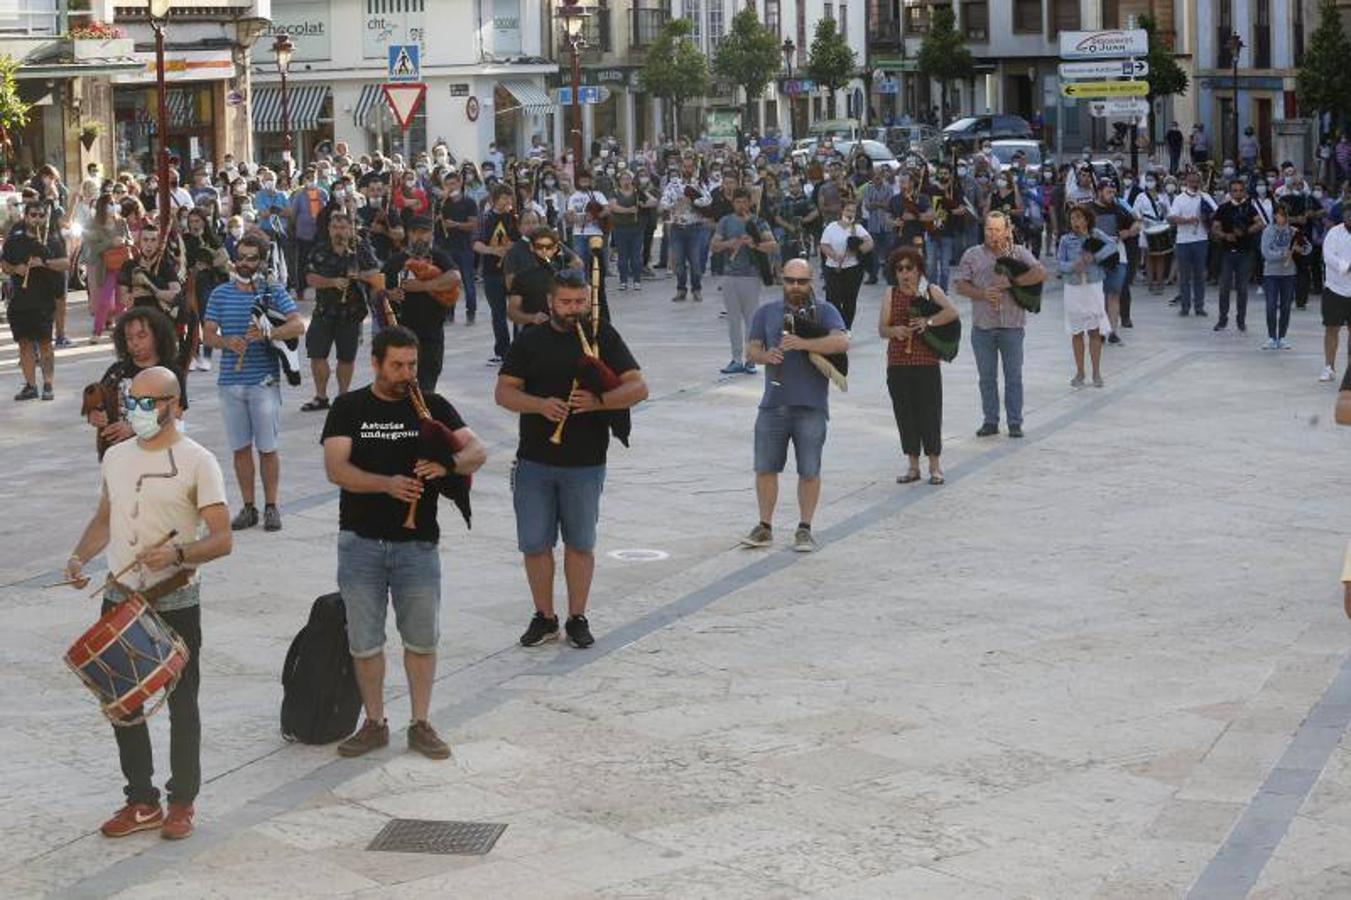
(161, 482)
(1156, 240)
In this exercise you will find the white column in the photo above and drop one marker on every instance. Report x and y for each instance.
(588, 131)
(556, 145)
(629, 136)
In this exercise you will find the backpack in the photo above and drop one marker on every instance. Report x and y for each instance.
(320, 702)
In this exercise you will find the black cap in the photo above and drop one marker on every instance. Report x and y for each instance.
(423, 223)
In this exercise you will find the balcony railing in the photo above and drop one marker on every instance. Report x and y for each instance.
(596, 32)
(885, 31)
(645, 26)
(30, 18)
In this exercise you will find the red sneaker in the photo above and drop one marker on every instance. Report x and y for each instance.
(178, 823)
(132, 818)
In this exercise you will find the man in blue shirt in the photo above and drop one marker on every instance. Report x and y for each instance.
(795, 405)
(249, 375)
(270, 205)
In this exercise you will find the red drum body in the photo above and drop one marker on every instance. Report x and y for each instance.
(126, 658)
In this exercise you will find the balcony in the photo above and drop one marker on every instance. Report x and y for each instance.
(30, 18)
(596, 35)
(885, 33)
(645, 26)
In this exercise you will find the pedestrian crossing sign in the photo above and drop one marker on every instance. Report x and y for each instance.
(405, 62)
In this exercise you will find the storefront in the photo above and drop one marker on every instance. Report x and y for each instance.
(195, 96)
(308, 111)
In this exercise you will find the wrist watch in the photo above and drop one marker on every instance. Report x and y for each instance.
(178, 554)
(928, 323)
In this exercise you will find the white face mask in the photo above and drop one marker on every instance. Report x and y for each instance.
(145, 422)
(1261, 190)
(1228, 171)
(1318, 195)
(237, 233)
(1150, 183)
(1129, 182)
(961, 171)
(268, 184)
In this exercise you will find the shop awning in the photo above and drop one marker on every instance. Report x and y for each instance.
(306, 102)
(532, 97)
(368, 102)
(182, 112)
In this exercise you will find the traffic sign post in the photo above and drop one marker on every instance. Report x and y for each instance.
(588, 93)
(1079, 89)
(405, 63)
(1104, 52)
(1126, 68)
(403, 100)
(1123, 109)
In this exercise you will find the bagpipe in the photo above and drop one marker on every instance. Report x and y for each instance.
(595, 211)
(102, 395)
(1026, 296)
(265, 317)
(760, 258)
(40, 251)
(423, 269)
(944, 340)
(835, 366)
(592, 372)
(1094, 245)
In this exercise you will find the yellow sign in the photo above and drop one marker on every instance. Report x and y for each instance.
(1105, 89)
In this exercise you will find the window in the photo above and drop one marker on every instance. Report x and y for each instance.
(915, 17)
(830, 10)
(976, 20)
(1064, 17)
(715, 29)
(1262, 35)
(844, 22)
(1224, 30)
(694, 12)
(801, 33)
(772, 17)
(1026, 16)
(1111, 14)
(1297, 25)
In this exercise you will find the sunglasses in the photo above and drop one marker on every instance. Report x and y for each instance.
(788, 280)
(146, 404)
(546, 245)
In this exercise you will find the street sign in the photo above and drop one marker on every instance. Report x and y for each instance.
(405, 62)
(1126, 68)
(234, 98)
(589, 93)
(1118, 109)
(1080, 89)
(403, 100)
(1112, 44)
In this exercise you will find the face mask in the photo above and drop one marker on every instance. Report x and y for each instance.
(268, 184)
(1318, 195)
(145, 422)
(1261, 190)
(961, 171)
(1150, 183)
(550, 182)
(1228, 171)
(1130, 183)
(237, 233)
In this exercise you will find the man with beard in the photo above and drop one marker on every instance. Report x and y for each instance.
(418, 310)
(684, 200)
(340, 269)
(35, 258)
(250, 392)
(531, 267)
(372, 452)
(795, 405)
(557, 486)
(497, 232)
(459, 221)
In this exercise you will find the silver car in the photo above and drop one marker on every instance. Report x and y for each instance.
(1004, 152)
(876, 151)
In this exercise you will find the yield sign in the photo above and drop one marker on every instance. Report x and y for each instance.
(403, 100)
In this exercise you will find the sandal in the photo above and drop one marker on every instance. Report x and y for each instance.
(314, 405)
(936, 479)
(907, 478)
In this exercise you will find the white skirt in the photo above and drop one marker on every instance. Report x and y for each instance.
(1085, 309)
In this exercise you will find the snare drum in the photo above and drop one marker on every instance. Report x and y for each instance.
(1159, 238)
(126, 658)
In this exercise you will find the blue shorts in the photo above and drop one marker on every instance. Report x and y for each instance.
(1115, 280)
(549, 499)
(252, 415)
(372, 573)
(775, 426)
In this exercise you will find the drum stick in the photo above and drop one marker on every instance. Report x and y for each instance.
(78, 582)
(173, 533)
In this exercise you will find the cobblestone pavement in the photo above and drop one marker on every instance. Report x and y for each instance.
(1069, 672)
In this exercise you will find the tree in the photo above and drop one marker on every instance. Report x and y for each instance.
(831, 63)
(13, 111)
(675, 69)
(1166, 77)
(943, 55)
(748, 56)
(1324, 83)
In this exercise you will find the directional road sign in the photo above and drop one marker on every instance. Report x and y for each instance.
(1118, 109)
(403, 100)
(1126, 68)
(590, 93)
(1083, 89)
(1109, 44)
(405, 62)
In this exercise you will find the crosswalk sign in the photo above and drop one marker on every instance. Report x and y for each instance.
(405, 62)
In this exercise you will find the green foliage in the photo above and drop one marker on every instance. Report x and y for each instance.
(1324, 82)
(1166, 77)
(943, 56)
(749, 54)
(674, 68)
(13, 111)
(831, 63)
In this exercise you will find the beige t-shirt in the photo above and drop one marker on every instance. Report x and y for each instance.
(153, 492)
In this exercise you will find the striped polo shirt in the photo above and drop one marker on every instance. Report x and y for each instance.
(230, 307)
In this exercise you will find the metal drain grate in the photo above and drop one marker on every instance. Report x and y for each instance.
(433, 836)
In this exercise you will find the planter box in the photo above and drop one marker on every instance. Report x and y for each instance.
(98, 48)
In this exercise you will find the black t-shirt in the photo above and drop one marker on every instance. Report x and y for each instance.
(419, 310)
(910, 231)
(1236, 217)
(531, 277)
(162, 274)
(546, 360)
(122, 372)
(366, 216)
(384, 437)
(461, 209)
(44, 285)
(330, 303)
(496, 231)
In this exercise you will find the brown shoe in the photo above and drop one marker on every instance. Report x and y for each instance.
(423, 738)
(178, 823)
(371, 736)
(132, 818)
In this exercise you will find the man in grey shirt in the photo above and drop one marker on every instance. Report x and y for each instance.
(737, 234)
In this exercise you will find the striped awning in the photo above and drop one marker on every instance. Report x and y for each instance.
(369, 100)
(182, 111)
(306, 102)
(531, 97)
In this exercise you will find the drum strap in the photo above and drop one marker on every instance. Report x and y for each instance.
(159, 590)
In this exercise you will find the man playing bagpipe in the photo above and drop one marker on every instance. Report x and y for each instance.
(392, 448)
(152, 278)
(35, 258)
(572, 381)
(341, 269)
(421, 279)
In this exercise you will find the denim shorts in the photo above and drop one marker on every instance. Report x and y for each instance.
(549, 499)
(371, 573)
(775, 426)
(1113, 281)
(252, 415)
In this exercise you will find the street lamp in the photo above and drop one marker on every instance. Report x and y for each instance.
(788, 48)
(574, 20)
(1236, 47)
(159, 15)
(284, 49)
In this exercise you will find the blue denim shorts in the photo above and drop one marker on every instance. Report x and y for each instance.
(775, 426)
(1115, 280)
(372, 573)
(252, 415)
(550, 499)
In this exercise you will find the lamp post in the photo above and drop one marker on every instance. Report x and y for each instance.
(1236, 47)
(159, 15)
(283, 48)
(574, 19)
(788, 48)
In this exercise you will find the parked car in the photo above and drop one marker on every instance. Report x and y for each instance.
(841, 129)
(922, 140)
(1004, 151)
(967, 133)
(876, 151)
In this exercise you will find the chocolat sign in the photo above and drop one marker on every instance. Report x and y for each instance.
(1110, 44)
(306, 22)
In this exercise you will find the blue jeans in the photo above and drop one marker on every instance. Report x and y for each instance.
(495, 289)
(990, 345)
(629, 242)
(775, 426)
(1235, 270)
(1280, 293)
(549, 499)
(373, 573)
(1191, 274)
(464, 261)
(689, 245)
(939, 263)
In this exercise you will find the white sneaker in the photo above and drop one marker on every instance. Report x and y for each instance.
(205, 363)
(1284, 344)
(1328, 374)
(1270, 344)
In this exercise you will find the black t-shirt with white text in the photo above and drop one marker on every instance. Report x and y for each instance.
(546, 360)
(384, 437)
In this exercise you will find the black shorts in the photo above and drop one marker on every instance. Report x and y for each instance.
(31, 324)
(1336, 309)
(324, 333)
